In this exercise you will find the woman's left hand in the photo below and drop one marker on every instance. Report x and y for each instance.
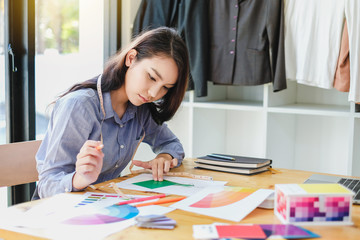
(160, 165)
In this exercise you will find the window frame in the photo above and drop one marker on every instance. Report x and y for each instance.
(19, 33)
(20, 81)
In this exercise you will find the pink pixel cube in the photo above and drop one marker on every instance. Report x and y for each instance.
(302, 204)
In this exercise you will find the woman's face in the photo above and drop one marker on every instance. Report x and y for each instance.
(150, 79)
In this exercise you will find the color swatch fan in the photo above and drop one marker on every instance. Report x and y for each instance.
(106, 215)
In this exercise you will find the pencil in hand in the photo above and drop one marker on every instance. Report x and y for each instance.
(99, 147)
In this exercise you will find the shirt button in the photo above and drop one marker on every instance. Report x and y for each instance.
(121, 125)
(231, 52)
(235, 17)
(236, 5)
(232, 40)
(233, 29)
(67, 190)
(122, 146)
(116, 165)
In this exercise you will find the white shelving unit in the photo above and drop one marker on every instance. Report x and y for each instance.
(302, 127)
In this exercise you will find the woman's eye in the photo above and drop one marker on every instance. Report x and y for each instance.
(151, 78)
(166, 88)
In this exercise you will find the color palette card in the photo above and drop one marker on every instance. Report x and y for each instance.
(94, 198)
(287, 231)
(230, 203)
(228, 231)
(251, 231)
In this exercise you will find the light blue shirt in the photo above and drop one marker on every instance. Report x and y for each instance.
(76, 118)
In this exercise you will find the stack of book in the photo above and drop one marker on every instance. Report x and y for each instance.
(233, 164)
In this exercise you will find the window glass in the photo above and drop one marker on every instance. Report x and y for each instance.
(2, 76)
(69, 49)
(3, 190)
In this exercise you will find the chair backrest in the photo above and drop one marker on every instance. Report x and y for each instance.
(18, 163)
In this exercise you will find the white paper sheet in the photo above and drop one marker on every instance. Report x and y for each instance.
(197, 185)
(230, 203)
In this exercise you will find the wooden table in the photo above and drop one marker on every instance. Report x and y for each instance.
(185, 220)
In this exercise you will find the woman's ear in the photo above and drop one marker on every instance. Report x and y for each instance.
(130, 57)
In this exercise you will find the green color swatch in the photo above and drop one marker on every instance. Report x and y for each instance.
(157, 184)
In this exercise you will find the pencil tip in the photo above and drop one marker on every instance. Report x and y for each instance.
(99, 147)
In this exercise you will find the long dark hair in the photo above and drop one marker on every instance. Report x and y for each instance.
(162, 41)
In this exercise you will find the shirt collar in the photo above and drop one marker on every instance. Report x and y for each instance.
(109, 111)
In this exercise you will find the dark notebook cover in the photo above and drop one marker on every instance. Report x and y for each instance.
(244, 171)
(240, 161)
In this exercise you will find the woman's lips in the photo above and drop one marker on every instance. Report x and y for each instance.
(143, 99)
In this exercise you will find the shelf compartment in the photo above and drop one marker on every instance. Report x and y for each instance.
(302, 94)
(231, 105)
(311, 143)
(356, 150)
(228, 132)
(221, 93)
(312, 109)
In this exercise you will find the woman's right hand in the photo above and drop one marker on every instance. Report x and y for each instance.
(88, 164)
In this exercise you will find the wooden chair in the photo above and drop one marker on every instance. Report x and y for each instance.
(17, 163)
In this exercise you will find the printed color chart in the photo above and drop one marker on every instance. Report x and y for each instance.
(95, 197)
(305, 209)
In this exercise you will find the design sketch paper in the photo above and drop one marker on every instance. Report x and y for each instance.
(60, 217)
(174, 185)
(230, 203)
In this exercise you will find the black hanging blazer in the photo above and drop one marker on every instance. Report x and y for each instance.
(247, 42)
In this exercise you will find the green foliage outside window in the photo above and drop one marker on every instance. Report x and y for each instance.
(57, 25)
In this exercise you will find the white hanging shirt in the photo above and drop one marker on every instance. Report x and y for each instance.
(352, 13)
(313, 31)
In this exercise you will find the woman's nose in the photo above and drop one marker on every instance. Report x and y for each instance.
(154, 91)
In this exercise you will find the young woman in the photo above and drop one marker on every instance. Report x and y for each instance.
(96, 126)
